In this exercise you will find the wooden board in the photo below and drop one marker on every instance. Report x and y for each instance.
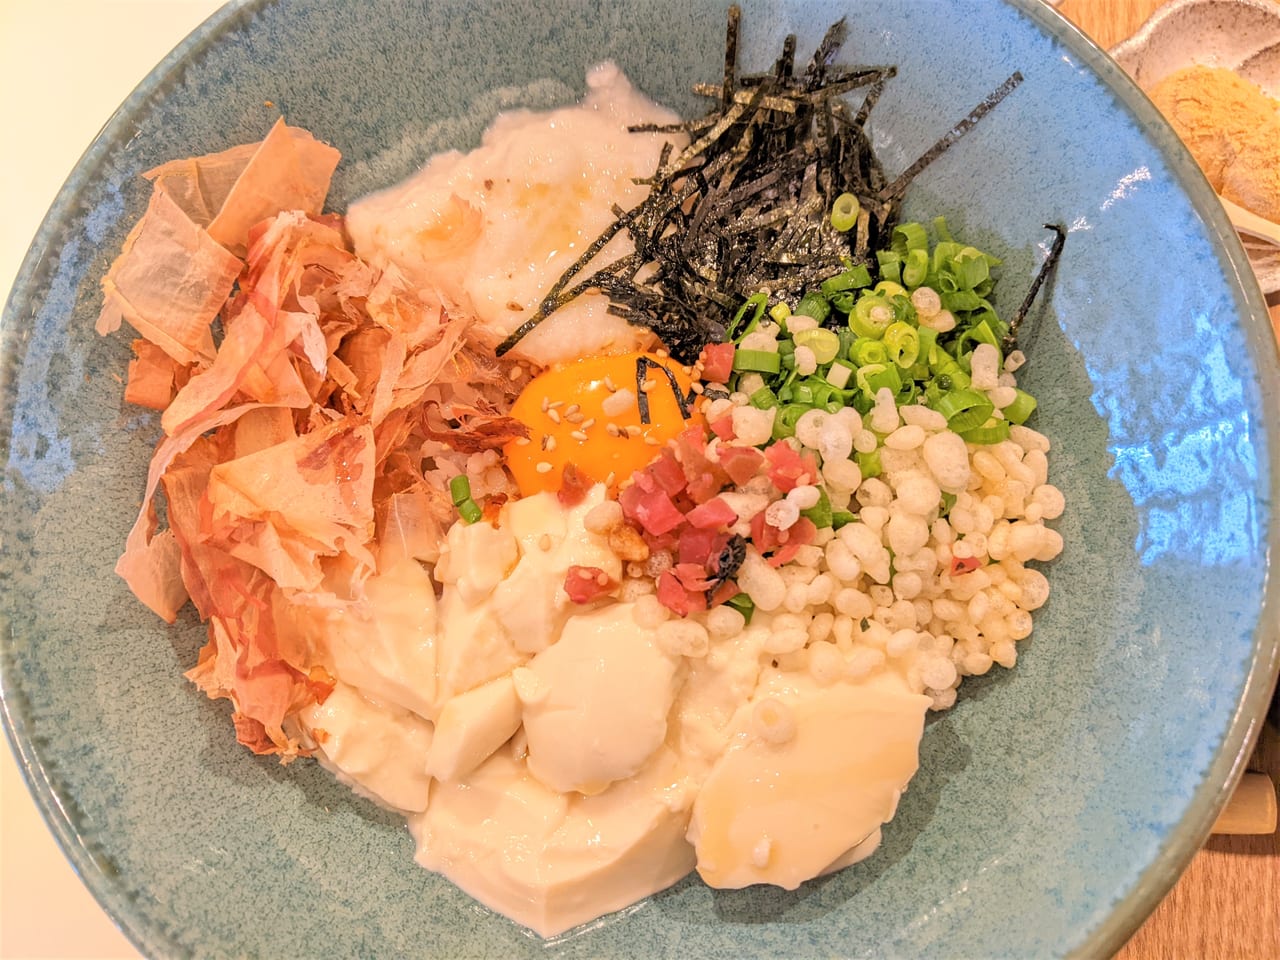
(1227, 903)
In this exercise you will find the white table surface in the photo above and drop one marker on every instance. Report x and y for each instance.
(65, 65)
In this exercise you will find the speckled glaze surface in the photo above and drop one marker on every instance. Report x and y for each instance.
(1054, 805)
(1239, 35)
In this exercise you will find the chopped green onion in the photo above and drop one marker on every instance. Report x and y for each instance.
(902, 341)
(763, 399)
(742, 603)
(964, 409)
(813, 304)
(755, 304)
(869, 464)
(470, 511)
(866, 350)
(874, 377)
(871, 316)
(784, 423)
(838, 375)
(460, 489)
(890, 265)
(909, 236)
(946, 367)
(820, 512)
(841, 517)
(1021, 408)
(993, 431)
(824, 343)
(916, 269)
(758, 361)
(853, 277)
(890, 289)
(928, 338)
(844, 212)
(780, 312)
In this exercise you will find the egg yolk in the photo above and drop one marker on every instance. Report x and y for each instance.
(588, 413)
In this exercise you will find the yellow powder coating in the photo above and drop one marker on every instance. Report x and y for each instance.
(1233, 131)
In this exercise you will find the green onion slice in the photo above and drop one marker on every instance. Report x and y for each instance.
(813, 304)
(825, 344)
(866, 350)
(820, 512)
(754, 305)
(1021, 408)
(844, 212)
(964, 409)
(459, 490)
(869, 464)
(871, 316)
(784, 424)
(902, 342)
(742, 603)
(756, 361)
(992, 431)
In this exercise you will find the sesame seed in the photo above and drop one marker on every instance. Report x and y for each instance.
(522, 441)
(602, 578)
(610, 479)
(609, 385)
(579, 435)
(544, 542)
(588, 423)
(651, 441)
(696, 387)
(661, 352)
(556, 404)
(550, 444)
(554, 415)
(514, 372)
(546, 404)
(574, 417)
(633, 430)
(648, 385)
(571, 409)
(612, 429)
(543, 467)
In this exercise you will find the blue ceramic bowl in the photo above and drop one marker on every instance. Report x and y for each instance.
(1054, 805)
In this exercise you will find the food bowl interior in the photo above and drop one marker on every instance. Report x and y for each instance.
(1068, 790)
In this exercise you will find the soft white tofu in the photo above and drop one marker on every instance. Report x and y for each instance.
(811, 773)
(549, 860)
(596, 702)
(380, 750)
(471, 726)
(384, 643)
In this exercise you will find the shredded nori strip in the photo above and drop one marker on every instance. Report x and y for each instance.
(745, 207)
(728, 563)
(643, 366)
(895, 190)
(1055, 253)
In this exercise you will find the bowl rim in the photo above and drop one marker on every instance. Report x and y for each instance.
(1181, 842)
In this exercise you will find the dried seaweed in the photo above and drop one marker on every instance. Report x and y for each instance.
(727, 564)
(643, 366)
(744, 208)
(1051, 261)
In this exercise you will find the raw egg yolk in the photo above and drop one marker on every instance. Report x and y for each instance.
(588, 413)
